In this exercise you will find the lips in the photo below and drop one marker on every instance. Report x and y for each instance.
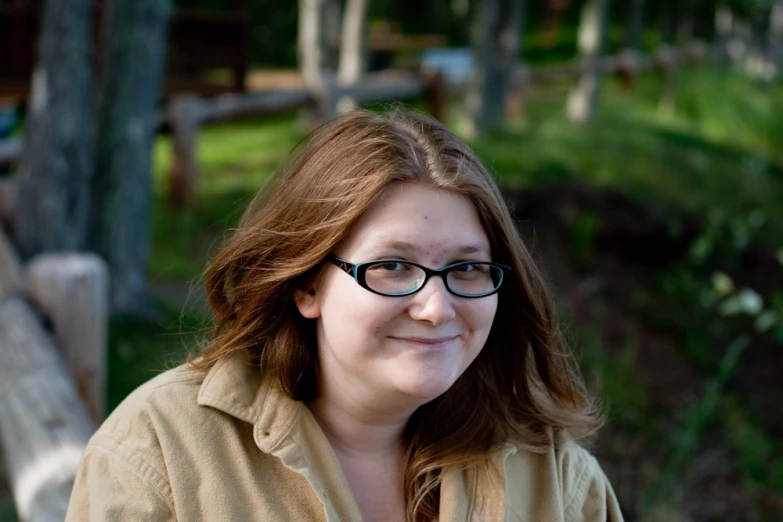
(427, 340)
(428, 344)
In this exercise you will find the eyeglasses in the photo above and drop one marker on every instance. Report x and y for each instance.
(400, 278)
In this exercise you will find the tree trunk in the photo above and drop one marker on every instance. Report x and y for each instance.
(56, 168)
(496, 37)
(313, 49)
(333, 14)
(683, 35)
(628, 60)
(130, 90)
(583, 101)
(461, 11)
(635, 25)
(353, 49)
(775, 35)
(552, 19)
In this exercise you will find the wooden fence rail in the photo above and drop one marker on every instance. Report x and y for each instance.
(44, 421)
(44, 425)
(188, 113)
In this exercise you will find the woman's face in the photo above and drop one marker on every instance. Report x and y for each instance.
(406, 350)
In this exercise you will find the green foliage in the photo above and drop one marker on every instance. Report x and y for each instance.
(694, 159)
(759, 458)
(139, 348)
(615, 378)
(234, 162)
(581, 240)
(700, 414)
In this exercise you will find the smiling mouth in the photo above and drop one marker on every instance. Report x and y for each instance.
(428, 344)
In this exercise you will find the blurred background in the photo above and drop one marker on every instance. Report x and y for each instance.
(639, 144)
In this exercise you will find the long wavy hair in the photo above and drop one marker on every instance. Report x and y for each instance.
(523, 387)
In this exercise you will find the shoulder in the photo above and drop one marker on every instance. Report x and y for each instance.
(572, 475)
(125, 458)
(584, 484)
(165, 407)
(171, 395)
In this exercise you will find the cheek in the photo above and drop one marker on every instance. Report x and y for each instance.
(353, 316)
(481, 314)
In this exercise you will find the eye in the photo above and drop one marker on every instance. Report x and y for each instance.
(390, 266)
(467, 267)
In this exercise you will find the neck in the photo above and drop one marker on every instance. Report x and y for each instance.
(358, 430)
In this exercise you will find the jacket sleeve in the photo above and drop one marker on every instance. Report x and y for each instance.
(588, 496)
(113, 484)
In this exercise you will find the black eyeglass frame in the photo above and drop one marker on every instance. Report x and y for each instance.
(359, 272)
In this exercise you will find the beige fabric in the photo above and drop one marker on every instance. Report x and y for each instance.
(232, 447)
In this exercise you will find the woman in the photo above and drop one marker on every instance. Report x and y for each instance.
(385, 350)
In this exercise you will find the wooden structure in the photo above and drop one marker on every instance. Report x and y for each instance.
(71, 290)
(200, 44)
(187, 113)
(44, 422)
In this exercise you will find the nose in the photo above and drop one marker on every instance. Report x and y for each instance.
(433, 303)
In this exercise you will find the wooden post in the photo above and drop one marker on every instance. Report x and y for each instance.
(72, 290)
(664, 62)
(184, 117)
(10, 269)
(435, 95)
(626, 65)
(8, 203)
(44, 426)
(516, 102)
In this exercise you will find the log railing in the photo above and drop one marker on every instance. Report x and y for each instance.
(187, 113)
(47, 415)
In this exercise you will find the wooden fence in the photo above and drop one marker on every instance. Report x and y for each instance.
(187, 113)
(52, 378)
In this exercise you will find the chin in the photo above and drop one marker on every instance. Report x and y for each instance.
(426, 389)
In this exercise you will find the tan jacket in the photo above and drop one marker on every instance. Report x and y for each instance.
(230, 447)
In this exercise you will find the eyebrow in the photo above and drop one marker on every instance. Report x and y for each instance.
(403, 246)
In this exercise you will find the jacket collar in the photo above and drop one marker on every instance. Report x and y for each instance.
(283, 428)
(235, 387)
(286, 429)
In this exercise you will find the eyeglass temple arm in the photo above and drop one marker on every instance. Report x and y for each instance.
(344, 265)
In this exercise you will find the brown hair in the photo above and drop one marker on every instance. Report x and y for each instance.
(523, 387)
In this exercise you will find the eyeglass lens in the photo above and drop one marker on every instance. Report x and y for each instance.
(396, 277)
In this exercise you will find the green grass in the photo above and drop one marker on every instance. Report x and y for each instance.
(696, 159)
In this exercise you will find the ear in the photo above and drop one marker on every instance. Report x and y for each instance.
(307, 303)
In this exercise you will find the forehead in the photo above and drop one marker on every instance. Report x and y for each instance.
(411, 218)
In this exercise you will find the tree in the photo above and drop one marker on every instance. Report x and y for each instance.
(56, 170)
(312, 47)
(496, 42)
(583, 100)
(85, 190)
(775, 34)
(353, 50)
(130, 87)
(635, 25)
